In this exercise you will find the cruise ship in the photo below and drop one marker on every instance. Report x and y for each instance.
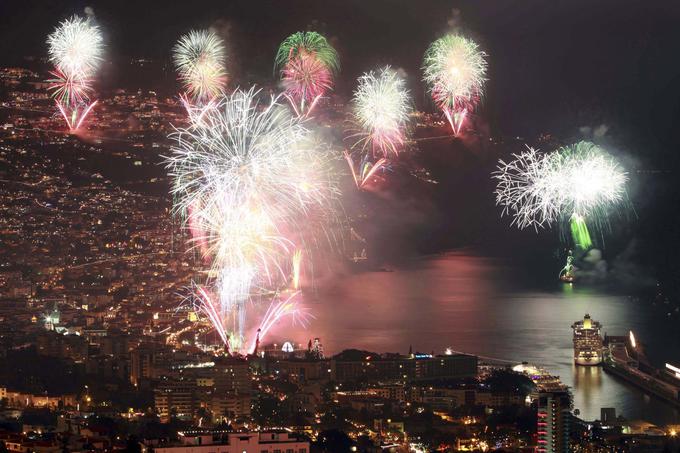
(587, 342)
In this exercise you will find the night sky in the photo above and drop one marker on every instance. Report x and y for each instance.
(554, 66)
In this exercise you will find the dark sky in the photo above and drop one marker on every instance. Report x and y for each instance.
(553, 66)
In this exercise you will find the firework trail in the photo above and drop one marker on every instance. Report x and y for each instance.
(575, 185)
(75, 48)
(253, 185)
(579, 232)
(203, 303)
(199, 58)
(454, 69)
(77, 115)
(307, 64)
(381, 106)
(279, 309)
(297, 268)
(366, 171)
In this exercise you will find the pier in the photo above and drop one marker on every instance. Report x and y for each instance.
(625, 360)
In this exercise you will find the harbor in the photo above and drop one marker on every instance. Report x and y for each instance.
(626, 360)
(622, 357)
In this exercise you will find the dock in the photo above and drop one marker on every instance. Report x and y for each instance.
(623, 360)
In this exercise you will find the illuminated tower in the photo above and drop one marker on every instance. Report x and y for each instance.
(317, 349)
(554, 416)
(51, 318)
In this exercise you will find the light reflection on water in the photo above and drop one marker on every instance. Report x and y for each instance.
(474, 304)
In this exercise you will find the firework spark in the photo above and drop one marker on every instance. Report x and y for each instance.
(380, 111)
(69, 89)
(307, 63)
(75, 48)
(279, 309)
(253, 184)
(576, 184)
(526, 189)
(200, 57)
(297, 268)
(454, 69)
(592, 181)
(579, 232)
(366, 171)
(75, 115)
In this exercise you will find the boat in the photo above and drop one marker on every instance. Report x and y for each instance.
(588, 347)
(567, 272)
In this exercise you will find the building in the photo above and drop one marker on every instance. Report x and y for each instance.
(231, 442)
(554, 418)
(176, 398)
(301, 370)
(141, 364)
(223, 387)
(353, 365)
(21, 399)
(446, 399)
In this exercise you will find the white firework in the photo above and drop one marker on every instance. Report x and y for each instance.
(253, 185)
(581, 179)
(200, 59)
(76, 47)
(526, 189)
(591, 181)
(455, 69)
(381, 106)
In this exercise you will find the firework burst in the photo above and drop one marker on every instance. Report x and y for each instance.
(575, 185)
(307, 63)
(75, 48)
(381, 106)
(69, 89)
(526, 189)
(592, 182)
(253, 185)
(200, 57)
(454, 69)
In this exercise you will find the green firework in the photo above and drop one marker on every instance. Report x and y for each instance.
(310, 42)
(580, 233)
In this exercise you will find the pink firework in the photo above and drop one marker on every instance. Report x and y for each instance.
(75, 48)
(211, 310)
(366, 170)
(277, 310)
(69, 89)
(455, 108)
(454, 68)
(75, 114)
(306, 79)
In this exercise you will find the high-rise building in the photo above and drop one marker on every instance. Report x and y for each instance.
(554, 417)
(222, 387)
(141, 364)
